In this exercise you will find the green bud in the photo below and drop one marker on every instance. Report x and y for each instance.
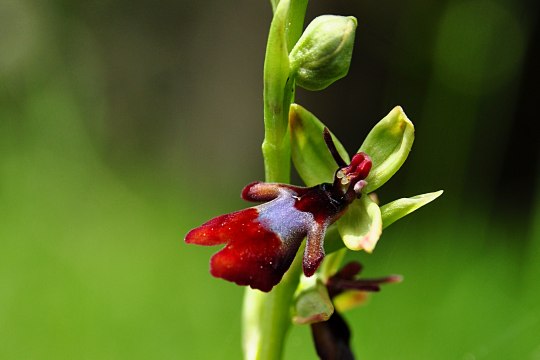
(323, 53)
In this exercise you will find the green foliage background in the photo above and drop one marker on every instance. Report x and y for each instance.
(123, 124)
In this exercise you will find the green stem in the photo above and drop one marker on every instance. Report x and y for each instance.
(285, 31)
(266, 316)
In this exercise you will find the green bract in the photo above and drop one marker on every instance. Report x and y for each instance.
(323, 53)
(388, 144)
(311, 302)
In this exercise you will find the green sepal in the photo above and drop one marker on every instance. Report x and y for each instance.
(388, 144)
(399, 208)
(312, 303)
(361, 225)
(310, 156)
(323, 53)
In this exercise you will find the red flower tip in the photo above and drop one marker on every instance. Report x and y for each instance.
(359, 167)
(351, 178)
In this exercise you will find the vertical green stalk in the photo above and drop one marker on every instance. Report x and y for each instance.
(285, 30)
(266, 316)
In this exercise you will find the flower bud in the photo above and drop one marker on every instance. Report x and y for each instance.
(323, 53)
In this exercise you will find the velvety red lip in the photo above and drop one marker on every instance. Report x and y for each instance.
(253, 256)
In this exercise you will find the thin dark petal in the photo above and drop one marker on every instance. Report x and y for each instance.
(356, 284)
(349, 271)
(332, 339)
(332, 147)
(345, 280)
(342, 284)
(314, 253)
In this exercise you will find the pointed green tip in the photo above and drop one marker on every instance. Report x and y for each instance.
(400, 208)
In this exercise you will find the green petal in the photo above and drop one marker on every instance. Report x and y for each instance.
(397, 209)
(310, 155)
(312, 302)
(388, 144)
(361, 225)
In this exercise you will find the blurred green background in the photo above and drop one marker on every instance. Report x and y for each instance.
(123, 124)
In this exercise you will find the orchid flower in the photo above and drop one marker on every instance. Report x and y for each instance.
(262, 241)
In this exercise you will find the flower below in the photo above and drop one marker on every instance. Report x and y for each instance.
(332, 337)
(262, 240)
